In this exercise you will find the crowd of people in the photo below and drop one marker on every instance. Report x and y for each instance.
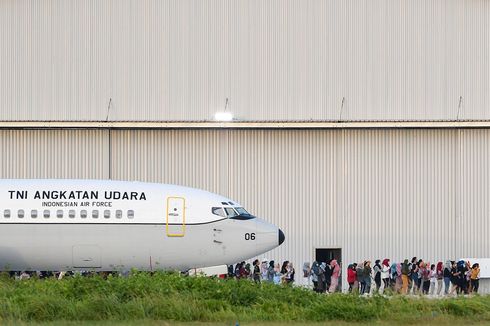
(413, 277)
(408, 277)
(263, 271)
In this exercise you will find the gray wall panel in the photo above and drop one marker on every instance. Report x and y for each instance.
(274, 60)
(42, 154)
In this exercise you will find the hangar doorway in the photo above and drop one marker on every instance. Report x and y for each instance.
(327, 254)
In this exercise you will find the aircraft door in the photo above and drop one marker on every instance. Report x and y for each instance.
(175, 219)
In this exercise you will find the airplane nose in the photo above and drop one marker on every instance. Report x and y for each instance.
(281, 237)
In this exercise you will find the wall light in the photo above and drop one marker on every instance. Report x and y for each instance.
(223, 116)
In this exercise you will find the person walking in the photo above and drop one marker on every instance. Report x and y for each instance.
(256, 271)
(377, 274)
(315, 271)
(398, 283)
(405, 272)
(413, 274)
(440, 277)
(433, 279)
(289, 277)
(270, 272)
(352, 277)
(462, 269)
(393, 275)
(277, 274)
(367, 276)
(475, 277)
(264, 267)
(360, 277)
(322, 283)
(335, 268)
(447, 276)
(424, 277)
(454, 279)
(385, 273)
(328, 275)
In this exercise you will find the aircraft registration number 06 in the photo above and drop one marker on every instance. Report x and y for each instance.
(249, 236)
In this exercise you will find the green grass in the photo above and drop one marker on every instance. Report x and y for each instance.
(150, 300)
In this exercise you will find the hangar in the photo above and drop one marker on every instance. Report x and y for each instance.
(361, 128)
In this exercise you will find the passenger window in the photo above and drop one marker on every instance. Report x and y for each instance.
(46, 213)
(71, 213)
(20, 213)
(230, 212)
(119, 213)
(218, 211)
(59, 213)
(107, 213)
(6, 213)
(95, 213)
(130, 213)
(34, 213)
(83, 213)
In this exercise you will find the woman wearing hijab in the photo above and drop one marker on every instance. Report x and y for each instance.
(393, 276)
(454, 278)
(289, 277)
(322, 283)
(264, 268)
(385, 273)
(315, 272)
(256, 271)
(352, 277)
(440, 277)
(277, 274)
(360, 277)
(447, 276)
(334, 266)
(270, 272)
(367, 276)
(425, 277)
(398, 284)
(405, 271)
(377, 274)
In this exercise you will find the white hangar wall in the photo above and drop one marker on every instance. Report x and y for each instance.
(372, 193)
(274, 60)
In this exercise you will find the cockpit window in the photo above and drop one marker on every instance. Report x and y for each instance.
(218, 211)
(242, 214)
(231, 212)
(241, 211)
(224, 203)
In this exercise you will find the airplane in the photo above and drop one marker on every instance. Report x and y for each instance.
(104, 225)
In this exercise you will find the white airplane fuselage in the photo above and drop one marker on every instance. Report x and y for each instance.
(117, 225)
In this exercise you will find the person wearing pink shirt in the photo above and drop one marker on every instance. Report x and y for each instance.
(335, 275)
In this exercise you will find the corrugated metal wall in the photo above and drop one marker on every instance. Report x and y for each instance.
(274, 60)
(373, 193)
(41, 154)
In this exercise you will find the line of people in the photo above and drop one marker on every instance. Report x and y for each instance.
(324, 275)
(415, 276)
(265, 271)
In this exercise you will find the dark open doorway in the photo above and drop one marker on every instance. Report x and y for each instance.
(327, 254)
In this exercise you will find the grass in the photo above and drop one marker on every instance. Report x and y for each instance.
(157, 299)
